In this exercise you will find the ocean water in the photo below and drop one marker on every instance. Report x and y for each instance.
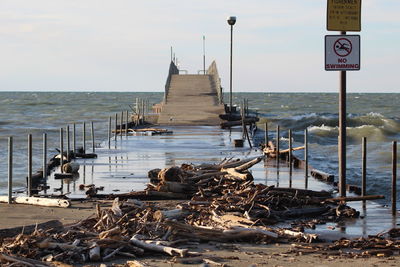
(375, 116)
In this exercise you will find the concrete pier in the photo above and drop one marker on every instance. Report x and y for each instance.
(192, 99)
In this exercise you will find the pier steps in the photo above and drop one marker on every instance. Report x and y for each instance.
(191, 100)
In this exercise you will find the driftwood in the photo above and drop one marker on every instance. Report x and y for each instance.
(158, 248)
(322, 176)
(23, 261)
(170, 214)
(38, 201)
(71, 167)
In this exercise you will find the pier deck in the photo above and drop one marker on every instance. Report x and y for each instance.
(192, 99)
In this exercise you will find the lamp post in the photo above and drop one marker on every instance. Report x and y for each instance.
(231, 21)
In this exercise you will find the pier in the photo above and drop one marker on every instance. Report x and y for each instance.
(192, 99)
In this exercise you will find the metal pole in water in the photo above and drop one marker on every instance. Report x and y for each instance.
(74, 137)
(306, 157)
(45, 157)
(92, 131)
(342, 133)
(243, 124)
(10, 168)
(29, 165)
(127, 123)
(364, 168)
(68, 144)
(266, 134)
(109, 132)
(116, 128)
(84, 137)
(394, 177)
(120, 125)
(61, 149)
(277, 146)
(290, 154)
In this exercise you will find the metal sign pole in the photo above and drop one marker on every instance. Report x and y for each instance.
(342, 132)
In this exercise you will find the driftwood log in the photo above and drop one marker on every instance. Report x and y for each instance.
(38, 201)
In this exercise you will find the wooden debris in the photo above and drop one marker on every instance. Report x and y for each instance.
(225, 205)
(38, 201)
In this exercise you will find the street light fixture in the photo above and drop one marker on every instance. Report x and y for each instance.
(231, 21)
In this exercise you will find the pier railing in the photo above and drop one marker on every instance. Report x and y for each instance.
(215, 80)
(173, 69)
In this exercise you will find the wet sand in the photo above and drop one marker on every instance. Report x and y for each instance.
(21, 215)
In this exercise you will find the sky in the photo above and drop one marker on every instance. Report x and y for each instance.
(124, 45)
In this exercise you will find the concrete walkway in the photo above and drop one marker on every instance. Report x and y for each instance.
(191, 100)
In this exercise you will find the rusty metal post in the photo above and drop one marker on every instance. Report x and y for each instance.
(10, 168)
(266, 134)
(29, 185)
(277, 146)
(364, 168)
(306, 157)
(394, 177)
(342, 133)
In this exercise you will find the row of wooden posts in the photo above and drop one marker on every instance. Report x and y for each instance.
(141, 107)
(363, 167)
(44, 167)
(68, 149)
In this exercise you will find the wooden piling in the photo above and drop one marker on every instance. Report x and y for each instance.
(10, 168)
(74, 137)
(68, 144)
(364, 168)
(127, 122)
(120, 125)
(29, 185)
(277, 146)
(394, 177)
(290, 155)
(84, 137)
(306, 157)
(266, 134)
(116, 128)
(242, 117)
(61, 149)
(109, 132)
(45, 157)
(92, 133)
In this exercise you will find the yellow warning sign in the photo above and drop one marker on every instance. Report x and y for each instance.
(344, 15)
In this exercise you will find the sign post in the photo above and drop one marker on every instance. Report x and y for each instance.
(342, 15)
